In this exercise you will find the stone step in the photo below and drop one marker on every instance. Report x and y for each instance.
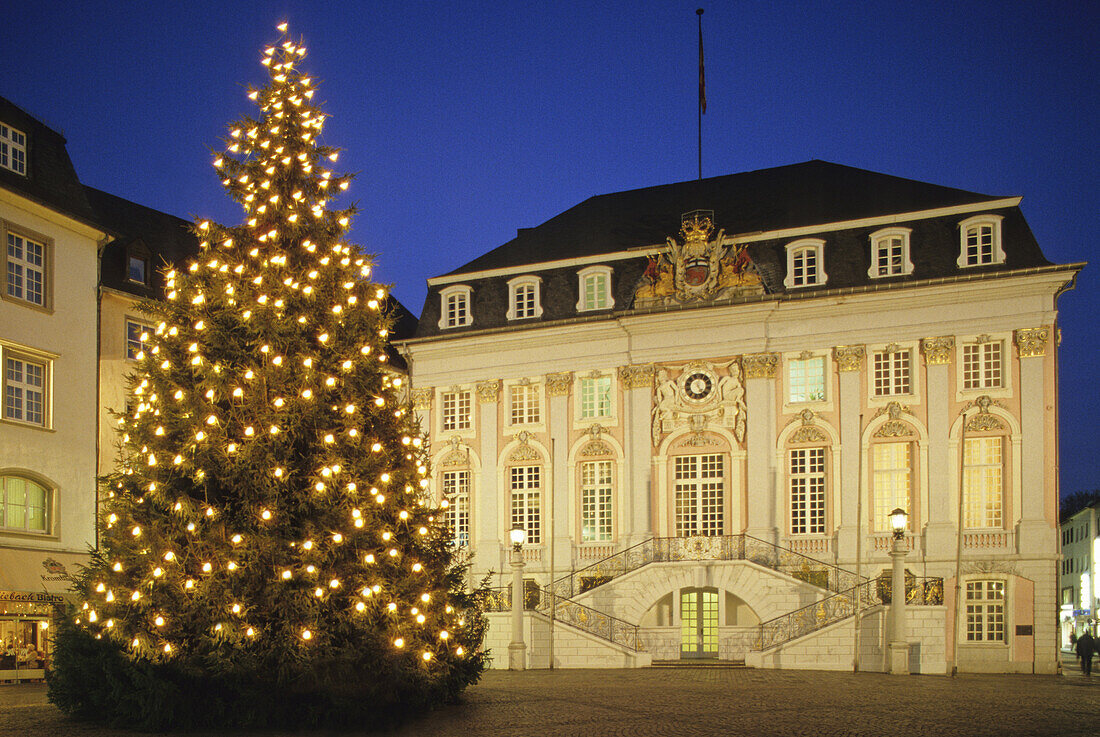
(704, 664)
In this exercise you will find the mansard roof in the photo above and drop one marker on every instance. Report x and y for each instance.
(798, 195)
(155, 235)
(50, 178)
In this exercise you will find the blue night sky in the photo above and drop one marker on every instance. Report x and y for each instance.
(467, 120)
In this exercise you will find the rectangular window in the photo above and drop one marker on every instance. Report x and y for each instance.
(890, 256)
(700, 487)
(982, 365)
(26, 269)
(526, 489)
(983, 482)
(805, 267)
(596, 501)
(524, 301)
(456, 410)
(137, 336)
(524, 405)
(457, 310)
(456, 490)
(979, 245)
(891, 373)
(807, 475)
(23, 505)
(985, 611)
(806, 380)
(136, 269)
(596, 397)
(24, 390)
(13, 149)
(892, 475)
(595, 292)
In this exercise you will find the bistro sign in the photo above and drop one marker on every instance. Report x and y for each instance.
(32, 598)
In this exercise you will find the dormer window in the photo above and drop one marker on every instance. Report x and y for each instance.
(523, 298)
(455, 307)
(890, 253)
(805, 264)
(980, 241)
(13, 149)
(595, 289)
(137, 268)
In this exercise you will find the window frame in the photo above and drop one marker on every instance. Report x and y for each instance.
(695, 485)
(790, 362)
(463, 397)
(514, 287)
(9, 146)
(583, 418)
(985, 606)
(879, 240)
(811, 501)
(457, 514)
(48, 506)
(794, 248)
(603, 275)
(880, 507)
(997, 255)
(142, 346)
(598, 494)
(47, 244)
(530, 516)
(969, 512)
(46, 362)
(460, 293)
(134, 256)
(533, 399)
(962, 344)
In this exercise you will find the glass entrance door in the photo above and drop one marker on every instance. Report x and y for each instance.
(699, 623)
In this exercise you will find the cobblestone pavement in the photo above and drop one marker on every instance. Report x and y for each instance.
(706, 701)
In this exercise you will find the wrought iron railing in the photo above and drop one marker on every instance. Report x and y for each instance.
(585, 618)
(718, 547)
(831, 609)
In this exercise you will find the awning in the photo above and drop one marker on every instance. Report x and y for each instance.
(37, 574)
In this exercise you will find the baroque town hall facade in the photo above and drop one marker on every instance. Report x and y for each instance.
(702, 401)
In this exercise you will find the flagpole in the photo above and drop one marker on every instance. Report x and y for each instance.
(702, 92)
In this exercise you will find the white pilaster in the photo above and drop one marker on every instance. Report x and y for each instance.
(849, 363)
(760, 488)
(489, 521)
(1036, 534)
(636, 489)
(940, 531)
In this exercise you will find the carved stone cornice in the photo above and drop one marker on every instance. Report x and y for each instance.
(422, 398)
(638, 376)
(524, 451)
(894, 427)
(1032, 341)
(559, 384)
(938, 351)
(808, 432)
(488, 391)
(984, 420)
(849, 357)
(760, 365)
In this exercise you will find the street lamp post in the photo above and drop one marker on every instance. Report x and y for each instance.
(517, 651)
(898, 663)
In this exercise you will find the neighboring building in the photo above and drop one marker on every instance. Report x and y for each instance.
(52, 240)
(1079, 575)
(701, 401)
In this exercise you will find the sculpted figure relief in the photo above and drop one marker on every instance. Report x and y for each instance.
(697, 397)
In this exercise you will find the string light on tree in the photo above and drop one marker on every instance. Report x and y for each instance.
(243, 494)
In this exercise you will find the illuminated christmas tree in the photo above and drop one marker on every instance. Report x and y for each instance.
(268, 554)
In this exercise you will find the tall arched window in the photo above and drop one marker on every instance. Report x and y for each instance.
(984, 482)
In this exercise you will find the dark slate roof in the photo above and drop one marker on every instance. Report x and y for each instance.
(404, 327)
(810, 193)
(814, 194)
(158, 236)
(50, 179)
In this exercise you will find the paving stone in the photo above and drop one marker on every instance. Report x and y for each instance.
(705, 701)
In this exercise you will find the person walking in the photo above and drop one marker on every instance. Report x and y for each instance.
(1085, 648)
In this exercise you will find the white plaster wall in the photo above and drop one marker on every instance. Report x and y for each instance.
(573, 648)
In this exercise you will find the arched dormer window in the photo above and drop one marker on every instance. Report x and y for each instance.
(595, 289)
(523, 297)
(455, 311)
(890, 253)
(980, 241)
(805, 263)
